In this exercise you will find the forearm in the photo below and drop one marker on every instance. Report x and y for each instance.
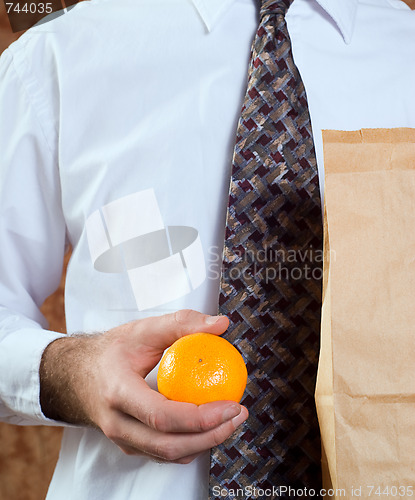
(65, 373)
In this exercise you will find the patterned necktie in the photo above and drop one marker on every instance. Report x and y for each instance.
(271, 277)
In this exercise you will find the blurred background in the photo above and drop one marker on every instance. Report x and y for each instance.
(28, 454)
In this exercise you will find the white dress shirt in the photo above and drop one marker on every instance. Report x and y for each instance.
(117, 128)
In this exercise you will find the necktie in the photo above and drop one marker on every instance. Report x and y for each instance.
(271, 277)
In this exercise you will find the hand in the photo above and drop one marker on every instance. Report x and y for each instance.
(98, 380)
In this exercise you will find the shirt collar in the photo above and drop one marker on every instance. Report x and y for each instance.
(211, 10)
(343, 13)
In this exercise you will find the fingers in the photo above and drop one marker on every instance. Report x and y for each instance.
(154, 410)
(142, 421)
(162, 331)
(185, 417)
(136, 437)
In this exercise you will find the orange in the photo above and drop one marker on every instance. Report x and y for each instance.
(201, 368)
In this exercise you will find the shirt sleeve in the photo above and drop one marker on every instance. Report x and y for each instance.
(32, 242)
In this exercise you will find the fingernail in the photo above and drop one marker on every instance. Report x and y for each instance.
(239, 419)
(231, 412)
(211, 320)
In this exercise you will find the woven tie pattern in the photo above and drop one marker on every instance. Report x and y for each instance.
(271, 277)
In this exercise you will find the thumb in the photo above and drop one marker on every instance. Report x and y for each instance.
(161, 331)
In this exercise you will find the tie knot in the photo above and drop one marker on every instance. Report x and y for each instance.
(274, 7)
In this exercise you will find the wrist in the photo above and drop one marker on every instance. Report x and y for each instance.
(63, 376)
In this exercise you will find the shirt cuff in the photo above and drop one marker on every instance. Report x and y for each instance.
(20, 356)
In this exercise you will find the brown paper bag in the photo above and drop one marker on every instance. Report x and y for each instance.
(365, 391)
